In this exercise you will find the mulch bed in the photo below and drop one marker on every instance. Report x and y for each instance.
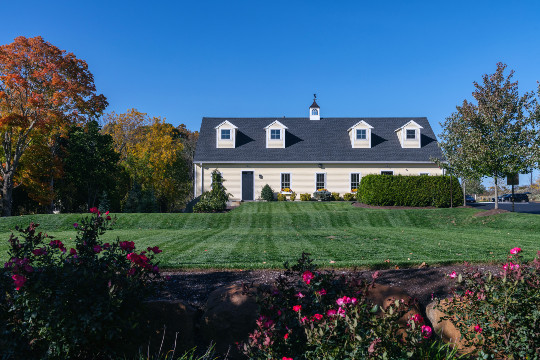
(194, 286)
(490, 212)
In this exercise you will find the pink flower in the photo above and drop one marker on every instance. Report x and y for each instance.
(127, 245)
(297, 308)
(341, 312)
(371, 348)
(426, 331)
(515, 250)
(286, 358)
(18, 281)
(39, 251)
(345, 300)
(477, 328)
(286, 336)
(107, 212)
(304, 319)
(155, 249)
(307, 276)
(97, 249)
(94, 210)
(417, 318)
(317, 317)
(331, 312)
(299, 295)
(452, 275)
(321, 292)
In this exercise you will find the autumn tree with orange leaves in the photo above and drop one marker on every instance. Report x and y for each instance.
(42, 90)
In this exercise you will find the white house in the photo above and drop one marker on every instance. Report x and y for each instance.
(306, 154)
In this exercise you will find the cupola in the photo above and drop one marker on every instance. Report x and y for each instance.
(314, 110)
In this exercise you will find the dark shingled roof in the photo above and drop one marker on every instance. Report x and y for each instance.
(314, 105)
(324, 140)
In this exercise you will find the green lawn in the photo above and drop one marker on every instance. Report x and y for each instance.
(264, 235)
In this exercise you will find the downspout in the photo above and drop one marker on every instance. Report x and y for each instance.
(194, 180)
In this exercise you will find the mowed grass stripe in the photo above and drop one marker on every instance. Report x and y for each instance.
(260, 235)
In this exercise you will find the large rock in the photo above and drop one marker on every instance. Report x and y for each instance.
(445, 328)
(231, 313)
(168, 318)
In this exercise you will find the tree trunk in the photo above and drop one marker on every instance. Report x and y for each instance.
(464, 199)
(496, 193)
(7, 194)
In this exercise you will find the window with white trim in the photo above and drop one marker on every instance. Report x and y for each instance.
(320, 181)
(411, 134)
(355, 181)
(387, 172)
(225, 134)
(275, 134)
(424, 174)
(361, 134)
(285, 181)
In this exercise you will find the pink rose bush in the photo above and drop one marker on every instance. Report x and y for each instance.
(80, 303)
(499, 313)
(321, 315)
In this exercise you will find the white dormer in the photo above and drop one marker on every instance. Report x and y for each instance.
(360, 135)
(314, 111)
(275, 135)
(409, 135)
(226, 135)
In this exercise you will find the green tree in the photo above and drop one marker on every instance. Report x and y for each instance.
(90, 166)
(496, 136)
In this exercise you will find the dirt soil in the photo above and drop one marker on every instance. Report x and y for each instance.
(490, 212)
(194, 286)
(365, 206)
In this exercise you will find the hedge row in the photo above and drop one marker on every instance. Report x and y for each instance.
(386, 190)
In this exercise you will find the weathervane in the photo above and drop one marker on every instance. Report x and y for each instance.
(315, 96)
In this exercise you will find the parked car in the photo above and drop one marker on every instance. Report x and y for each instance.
(469, 199)
(518, 198)
(498, 197)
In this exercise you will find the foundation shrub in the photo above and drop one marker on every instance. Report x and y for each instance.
(349, 197)
(214, 200)
(77, 303)
(386, 190)
(293, 196)
(305, 197)
(322, 195)
(267, 193)
(281, 197)
(498, 314)
(320, 315)
(335, 196)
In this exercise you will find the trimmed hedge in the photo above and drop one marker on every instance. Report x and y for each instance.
(387, 190)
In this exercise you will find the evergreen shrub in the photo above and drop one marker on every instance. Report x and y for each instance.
(305, 197)
(281, 197)
(335, 196)
(385, 190)
(214, 200)
(323, 195)
(293, 196)
(349, 197)
(267, 193)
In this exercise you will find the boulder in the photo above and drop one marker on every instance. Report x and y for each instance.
(231, 313)
(166, 319)
(384, 296)
(448, 332)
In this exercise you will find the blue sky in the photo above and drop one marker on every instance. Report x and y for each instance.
(185, 60)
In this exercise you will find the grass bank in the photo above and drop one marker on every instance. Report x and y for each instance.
(264, 235)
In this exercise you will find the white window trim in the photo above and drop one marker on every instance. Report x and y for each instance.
(279, 134)
(415, 134)
(424, 173)
(392, 171)
(290, 182)
(325, 184)
(350, 179)
(365, 133)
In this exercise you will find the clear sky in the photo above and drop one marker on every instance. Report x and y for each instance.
(183, 60)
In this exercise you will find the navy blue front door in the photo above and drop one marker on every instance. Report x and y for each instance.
(247, 185)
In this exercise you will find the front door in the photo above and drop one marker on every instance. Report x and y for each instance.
(247, 185)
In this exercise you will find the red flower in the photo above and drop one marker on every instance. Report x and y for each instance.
(39, 251)
(94, 210)
(127, 245)
(57, 244)
(286, 336)
(317, 317)
(108, 218)
(72, 251)
(426, 331)
(331, 312)
(286, 358)
(307, 276)
(321, 292)
(477, 328)
(18, 281)
(155, 249)
(97, 249)
(515, 250)
(297, 308)
(106, 245)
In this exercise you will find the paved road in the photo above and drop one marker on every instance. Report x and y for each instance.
(530, 208)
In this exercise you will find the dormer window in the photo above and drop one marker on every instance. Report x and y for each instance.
(411, 134)
(225, 134)
(275, 134)
(314, 112)
(361, 134)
